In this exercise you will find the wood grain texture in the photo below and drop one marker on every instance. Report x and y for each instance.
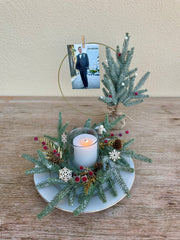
(153, 212)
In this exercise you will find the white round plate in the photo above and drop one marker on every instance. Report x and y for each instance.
(95, 203)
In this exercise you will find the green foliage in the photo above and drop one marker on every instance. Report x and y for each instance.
(88, 123)
(133, 154)
(60, 130)
(59, 197)
(53, 139)
(127, 144)
(111, 184)
(119, 81)
(121, 166)
(32, 159)
(50, 181)
(109, 125)
(101, 193)
(121, 182)
(49, 165)
(85, 200)
(124, 161)
(36, 170)
(71, 196)
(109, 175)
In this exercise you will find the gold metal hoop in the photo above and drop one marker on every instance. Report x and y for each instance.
(102, 44)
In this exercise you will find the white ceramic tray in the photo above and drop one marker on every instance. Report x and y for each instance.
(95, 203)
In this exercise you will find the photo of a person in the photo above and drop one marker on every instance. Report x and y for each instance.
(84, 66)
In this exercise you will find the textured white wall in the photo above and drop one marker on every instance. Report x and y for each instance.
(34, 35)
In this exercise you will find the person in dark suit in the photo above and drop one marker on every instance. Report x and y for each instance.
(82, 64)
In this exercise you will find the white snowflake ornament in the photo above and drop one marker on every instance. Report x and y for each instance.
(65, 174)
(122, 84)
(64, 138)
(114, 155)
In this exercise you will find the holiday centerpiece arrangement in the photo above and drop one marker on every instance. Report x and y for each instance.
(89, 162)
(84, 163)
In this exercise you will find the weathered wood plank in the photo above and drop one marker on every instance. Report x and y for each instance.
(153, 212)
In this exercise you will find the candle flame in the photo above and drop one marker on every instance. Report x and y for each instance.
(86, 142)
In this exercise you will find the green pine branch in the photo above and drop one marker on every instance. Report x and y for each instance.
(52, 139)
(61, 129)
(85, 200)
(134, 155)
(88, 123)
(50, 181)
(125, 48)
(112, 187)
(72, 196)
(121, 182)
(124, 161)
(32, 159)
(36, 170)
(59, 197)
(141, 81)
(132, 72)
(49, 165)
(132, 103)
(106, 94)
(120, 166)
(109, 125)
(127, 144)
(101, 193)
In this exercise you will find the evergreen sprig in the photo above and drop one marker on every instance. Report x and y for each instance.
(50, 181)
(119, 80)
(85, 200)
(109, 125)
(58, 197)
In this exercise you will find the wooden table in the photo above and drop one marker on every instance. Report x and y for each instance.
(153, 212)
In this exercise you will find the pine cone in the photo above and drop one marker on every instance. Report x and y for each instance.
(98, 166)
(117, 144)
(55, 159)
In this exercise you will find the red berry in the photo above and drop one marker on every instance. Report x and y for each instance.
(127, 132)
(119, 54)
(136, 93)
(77, 179)
(84, 179)
(74, 174)
(91, 173)
(81, 167)
(105, 141)
(45, 147)
(120, 134)
(110, 96)
(54, 151)
(58, 154)
(43, 143)
(35, 138)
(112, 134)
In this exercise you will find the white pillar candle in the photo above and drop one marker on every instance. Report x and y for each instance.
(85, 150)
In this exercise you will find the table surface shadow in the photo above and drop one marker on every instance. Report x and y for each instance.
(152, 212)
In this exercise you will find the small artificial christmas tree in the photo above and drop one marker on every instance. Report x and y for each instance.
(119, 82)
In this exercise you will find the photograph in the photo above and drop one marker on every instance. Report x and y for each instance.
(84, 66)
